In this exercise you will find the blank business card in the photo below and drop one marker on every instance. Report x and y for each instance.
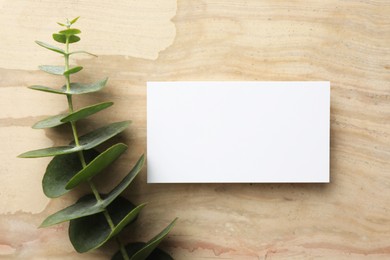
(224, 132)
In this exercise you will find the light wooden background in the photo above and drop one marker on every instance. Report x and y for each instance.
(345, 42)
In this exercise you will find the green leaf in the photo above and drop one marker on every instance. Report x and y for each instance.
(74, 20)
(102, 134)
(125, 181)
(93, 231)
(75, 88)
(107, 201)
(85, 206)
(79, 88)
(132, 248)
(85, 52)
(51, 151)
(62, 38)
(75, 211)
(61, 24)
(72, 70)
(86, 111)
(87, 141)
(130, 217)
(61, 169)
(59, 70)
(47, 89)
(97, 165)
(50, 122)
(145, 251)
(50, 47)
(71, 31)
(55, 70)
(64, 118)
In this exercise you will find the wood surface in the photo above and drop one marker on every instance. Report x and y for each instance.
(345, 42)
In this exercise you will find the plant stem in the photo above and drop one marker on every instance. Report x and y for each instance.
(81, 154)
(122, 249)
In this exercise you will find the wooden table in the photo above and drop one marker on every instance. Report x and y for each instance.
(345, 42)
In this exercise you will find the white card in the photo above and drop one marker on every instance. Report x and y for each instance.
(200, 132)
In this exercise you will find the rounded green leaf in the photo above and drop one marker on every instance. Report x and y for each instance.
(97, 165)
(47, 89)
(71, 31)
(133, 248)
(50, 47)
(59, 70)
(75, 88)
(125, 182)
(86, 206)
(125, 221)
(74, 20)
(55, 70)
(60, 170)
(51, 151)
(75, 211)
(62, 38)
(72, 70)
(87, 141)
(73, 38)
(93, 231)
(86, 111)
(149, 247)
(80, 88)
(50, 122)
(85, 52)
(102, 134)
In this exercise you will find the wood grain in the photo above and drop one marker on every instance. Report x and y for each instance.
(345, 42)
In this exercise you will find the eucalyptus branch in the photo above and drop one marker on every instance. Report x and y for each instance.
(95, 218)
(80, 153)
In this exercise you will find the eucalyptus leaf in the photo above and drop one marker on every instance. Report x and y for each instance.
(87, 141)
(62, 215)
(75, 88)
(51, 151)
(47, 89)
(129, 218)
(86, 111)
(61, 169)
(74, 20)
(50, 47)
(59, 70)
(55, 70)
(85, 52)
(50, 122)
(62, 38)
(69, 32)
(72, 70)
(147, 249)
(132, 248)
(93, 231)
(80, 88)
(125, 181)
(84, 207)
(97, 165)
(100, 135)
